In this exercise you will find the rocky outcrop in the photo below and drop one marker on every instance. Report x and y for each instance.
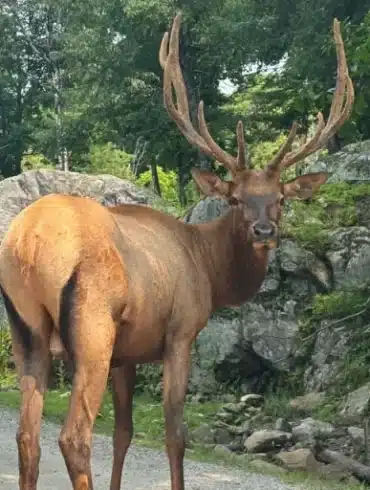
(262, 336)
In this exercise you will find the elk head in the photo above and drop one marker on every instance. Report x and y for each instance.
(259, 195)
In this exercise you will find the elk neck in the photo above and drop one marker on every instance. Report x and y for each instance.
(235, 269)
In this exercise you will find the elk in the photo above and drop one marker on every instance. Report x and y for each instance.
(111, 288)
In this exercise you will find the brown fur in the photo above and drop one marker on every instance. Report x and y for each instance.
(112, 288)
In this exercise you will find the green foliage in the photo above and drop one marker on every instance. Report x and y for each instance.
(5, 349)
(35, 161)
(334, 205)
(339, 304)
(167, 183)
(106, 159)
(148, 379)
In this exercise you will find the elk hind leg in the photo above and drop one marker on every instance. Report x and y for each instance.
(175, 381)
(123, 385)
(30, 329)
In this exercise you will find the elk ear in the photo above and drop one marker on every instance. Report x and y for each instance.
(303, 187)
(210, 184)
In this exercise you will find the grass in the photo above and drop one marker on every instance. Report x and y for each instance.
(149, 431)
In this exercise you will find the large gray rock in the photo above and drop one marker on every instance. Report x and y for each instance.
(329, 352)
(357, 405)
(18, 192)
(265, 440)
(349, 255)
(351, 164)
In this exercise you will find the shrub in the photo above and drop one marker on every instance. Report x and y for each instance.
(106, 159)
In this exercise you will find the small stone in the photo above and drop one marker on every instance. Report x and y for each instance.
(264, 440)
(229, 398)
(357, 436)
(225, 416)
(254, 410)
(252, 400)
(245, 428)
(222, 450)
(283, 424)
(222, 436)
(236, 408)
(298, 460)
(236, 445)
(203, 434)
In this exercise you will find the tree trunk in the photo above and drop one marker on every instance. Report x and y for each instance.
(359, 470)
(181, 182)
(155, 178)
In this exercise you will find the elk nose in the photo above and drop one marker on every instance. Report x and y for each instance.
(263, 231)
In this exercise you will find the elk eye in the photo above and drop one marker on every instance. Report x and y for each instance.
(233, 201)
(282, 200)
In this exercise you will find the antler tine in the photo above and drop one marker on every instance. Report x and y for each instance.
(227, 160)
(338, 114)
(163, 51)
(173, 76)
(285, 147)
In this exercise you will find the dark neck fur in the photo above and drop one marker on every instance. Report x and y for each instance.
(236, 270)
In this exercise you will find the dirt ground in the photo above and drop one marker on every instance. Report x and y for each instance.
(144, 469)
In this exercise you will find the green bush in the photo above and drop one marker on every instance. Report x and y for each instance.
(333, 206)
(106, 159)
(167, 183)
(35, 161)
(5, 349)
(339, 304)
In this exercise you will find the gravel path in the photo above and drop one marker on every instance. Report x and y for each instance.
(144, 468)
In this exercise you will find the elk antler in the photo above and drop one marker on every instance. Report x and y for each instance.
(203, 140)
(338, 113)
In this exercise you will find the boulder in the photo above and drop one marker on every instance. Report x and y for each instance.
(357, 435)
(326, 361)
(299, 262)
(310, 429)
(356, 405)
(298, 460)
(204, 434)
(349, 256)
(265, 440)
(18, 192)
(351, 164)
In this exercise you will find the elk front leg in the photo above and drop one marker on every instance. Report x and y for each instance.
(123, 385)
(175, 381)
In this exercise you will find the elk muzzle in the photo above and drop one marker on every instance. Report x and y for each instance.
(264, 234)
